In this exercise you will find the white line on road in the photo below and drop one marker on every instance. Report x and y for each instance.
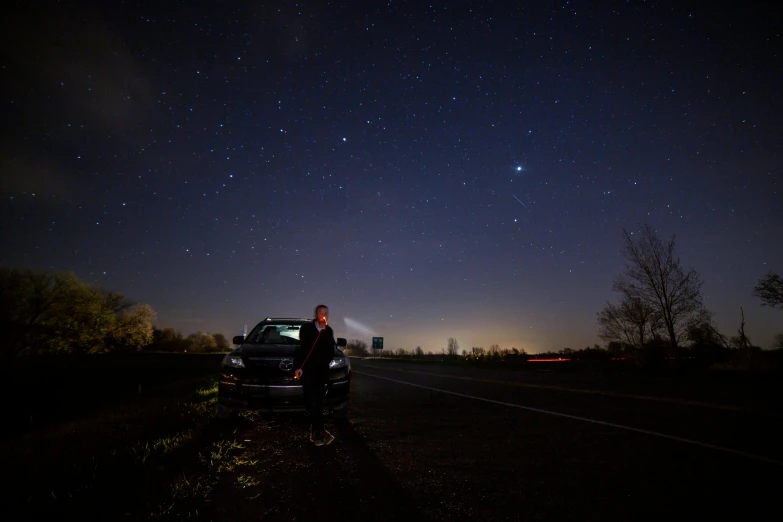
(670, 400)
(592, 421)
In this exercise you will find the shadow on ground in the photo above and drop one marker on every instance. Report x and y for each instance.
(295, 480)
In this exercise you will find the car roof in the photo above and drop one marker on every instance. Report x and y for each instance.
(286, 320)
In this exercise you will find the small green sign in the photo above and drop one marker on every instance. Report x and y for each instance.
(377, 343)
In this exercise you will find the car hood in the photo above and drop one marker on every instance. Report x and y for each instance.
(273, 350)
(267, 350)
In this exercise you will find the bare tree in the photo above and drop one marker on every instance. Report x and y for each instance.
(706, 334)
(655, 277)
(770, 290)
(452, 347)
(741, 341)
(633, 322)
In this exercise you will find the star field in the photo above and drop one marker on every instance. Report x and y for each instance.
(427, 169)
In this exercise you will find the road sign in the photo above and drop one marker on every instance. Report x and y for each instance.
(377, 343)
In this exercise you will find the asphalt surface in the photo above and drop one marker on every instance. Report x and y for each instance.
(430, 442)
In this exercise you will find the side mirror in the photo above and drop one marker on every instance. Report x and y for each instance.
(238, 339)
(341, 342)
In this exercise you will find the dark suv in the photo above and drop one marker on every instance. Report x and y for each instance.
(259, 374)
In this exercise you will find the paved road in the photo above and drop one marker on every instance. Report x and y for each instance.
(435, 443)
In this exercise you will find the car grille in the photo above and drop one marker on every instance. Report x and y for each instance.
(265, 363)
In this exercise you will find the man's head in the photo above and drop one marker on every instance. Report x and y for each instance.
(322, 311)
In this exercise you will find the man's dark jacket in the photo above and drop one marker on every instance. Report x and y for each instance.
(317, 365)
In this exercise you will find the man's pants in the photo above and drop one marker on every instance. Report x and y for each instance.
(314, 401)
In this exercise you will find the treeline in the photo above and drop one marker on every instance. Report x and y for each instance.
(654, 355)
(45, 313)
(171, 340)
(58, 313)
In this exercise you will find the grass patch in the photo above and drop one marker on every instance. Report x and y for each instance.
(189, 492)
(247, 481)
(142, 460)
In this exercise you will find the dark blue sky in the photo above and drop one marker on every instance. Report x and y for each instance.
(426, 169)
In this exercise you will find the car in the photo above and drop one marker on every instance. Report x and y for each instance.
(258, 375)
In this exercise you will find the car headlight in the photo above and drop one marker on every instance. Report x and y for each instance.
(233, 361)
(338, 362)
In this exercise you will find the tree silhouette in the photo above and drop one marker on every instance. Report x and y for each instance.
(452, 347)
(770, 290)
(633, 322)
(654, 276)
(221, 342)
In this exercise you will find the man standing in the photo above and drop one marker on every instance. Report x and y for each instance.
(316, 350)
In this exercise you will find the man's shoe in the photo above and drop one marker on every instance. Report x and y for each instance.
(322, 438)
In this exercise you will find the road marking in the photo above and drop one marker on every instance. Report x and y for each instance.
(706, 445)
(653, 398)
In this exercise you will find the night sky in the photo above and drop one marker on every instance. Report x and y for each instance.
(426, 169)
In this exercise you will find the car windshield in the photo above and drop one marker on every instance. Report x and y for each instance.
(274, 334)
